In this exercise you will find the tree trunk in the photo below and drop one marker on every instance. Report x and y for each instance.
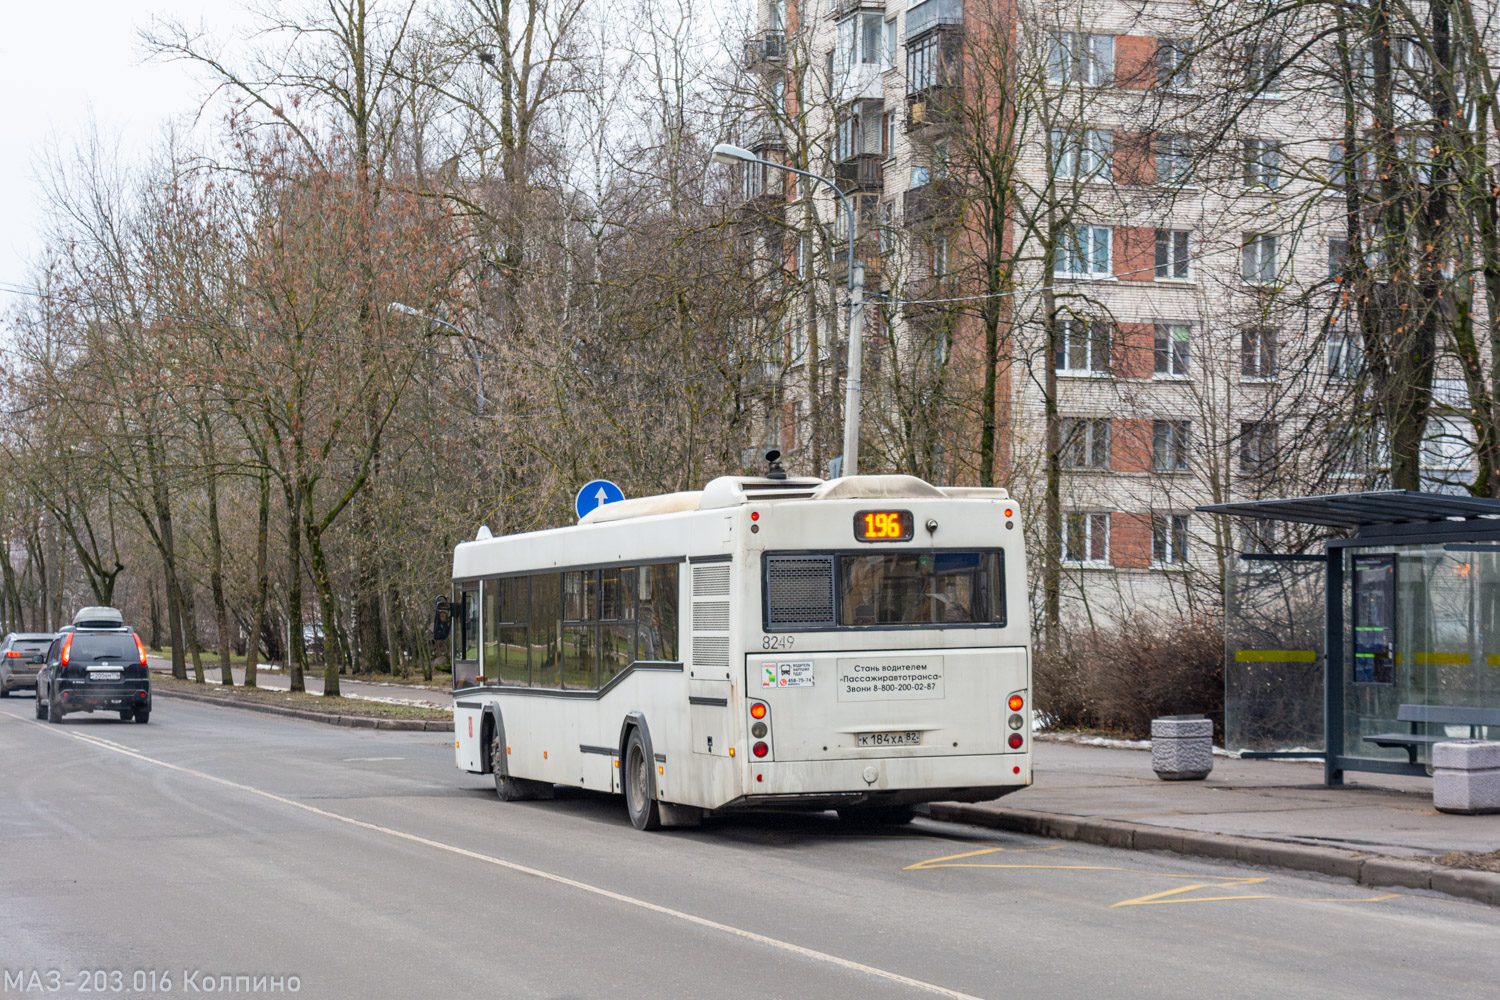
(262, 580)
(296, 656)
(322, 581)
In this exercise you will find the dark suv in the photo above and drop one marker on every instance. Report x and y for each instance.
(94, 669)
(20, 655)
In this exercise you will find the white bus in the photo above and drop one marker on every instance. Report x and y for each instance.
(859, 644)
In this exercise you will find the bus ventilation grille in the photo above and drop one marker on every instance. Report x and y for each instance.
(799, 592)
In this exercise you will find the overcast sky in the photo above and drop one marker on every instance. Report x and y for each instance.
(62, 63)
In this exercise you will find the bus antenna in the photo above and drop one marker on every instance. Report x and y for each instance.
(773, 458)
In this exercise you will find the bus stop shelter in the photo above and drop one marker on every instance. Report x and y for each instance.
(1409, 643)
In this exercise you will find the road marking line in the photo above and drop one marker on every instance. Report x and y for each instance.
(1155, 898)
(667, 911)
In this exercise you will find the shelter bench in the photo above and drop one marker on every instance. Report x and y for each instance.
(1434, 715)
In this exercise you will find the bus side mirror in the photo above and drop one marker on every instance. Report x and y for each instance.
(442, 618)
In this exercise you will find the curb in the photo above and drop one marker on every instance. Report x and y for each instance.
(351, 721)
(1362, 868)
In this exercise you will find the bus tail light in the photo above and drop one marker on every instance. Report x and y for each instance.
(758, 710)
(760, 749)
(1017, 702)
(1015, 741)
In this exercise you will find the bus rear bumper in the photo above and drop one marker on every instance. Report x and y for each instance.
(890, 781)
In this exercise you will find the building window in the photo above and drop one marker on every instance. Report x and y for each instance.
(1174, 160)
(1172, 254)
(890, 44)
(887, 231)
(1257, 445)
(1073, 57)
(1258, 353)
(1173, 68)
(1082, 347)
(1082, 156)
(1263, 68)
(1262, 164)
(1085, 442)
(940, 161)
(1173, 341)
(937, 261)
(1338, 258)
(1169, 539)
(925, 65)
(860, 40)
(1258, 262)
(1346, 354)
(1169, 445)
(1085, 538)
(1084, 252)
(889, 146)
(802, 254)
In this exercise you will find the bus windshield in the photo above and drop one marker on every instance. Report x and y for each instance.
(921, 588)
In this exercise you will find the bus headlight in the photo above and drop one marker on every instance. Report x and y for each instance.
(1016, 721)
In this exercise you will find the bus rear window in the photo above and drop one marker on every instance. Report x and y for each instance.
(813, 591)
(921, 588)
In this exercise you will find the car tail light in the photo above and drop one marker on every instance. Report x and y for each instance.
(13, 653)
(67, 645)
(1015, 741)
(760, 749)
(1016, 702)
(758, 710)
(142, 650)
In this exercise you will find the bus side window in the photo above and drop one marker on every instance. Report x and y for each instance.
(546, 617)
(656, 613)
(466, 640)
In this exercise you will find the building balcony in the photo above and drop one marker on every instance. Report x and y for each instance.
(843, 8)
(766, 50)
(930, 204)
(861, 172)
(933, 14)
(933, 110)
(867, 252)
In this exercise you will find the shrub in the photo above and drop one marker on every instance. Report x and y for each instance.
(1117, 678)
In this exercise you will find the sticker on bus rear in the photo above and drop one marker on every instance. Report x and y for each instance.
(787, 674)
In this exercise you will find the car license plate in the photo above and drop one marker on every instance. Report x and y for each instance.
(104, 675)
(909, 738)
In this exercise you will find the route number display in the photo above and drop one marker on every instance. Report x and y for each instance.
(883, 526)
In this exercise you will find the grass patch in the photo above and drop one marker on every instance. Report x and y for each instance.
(1489, 862)
(303, 700)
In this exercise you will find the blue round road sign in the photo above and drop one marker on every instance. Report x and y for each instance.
(595, 494)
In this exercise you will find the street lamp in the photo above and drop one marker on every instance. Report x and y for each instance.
(402, 307)
(731, 155)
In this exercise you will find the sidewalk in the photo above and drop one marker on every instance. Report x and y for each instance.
(1378, 829)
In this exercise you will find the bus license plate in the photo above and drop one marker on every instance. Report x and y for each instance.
(104, 675)
(910, 738)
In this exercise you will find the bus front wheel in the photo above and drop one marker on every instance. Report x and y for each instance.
(638, 801)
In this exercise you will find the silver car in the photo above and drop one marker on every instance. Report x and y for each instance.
(21, 654)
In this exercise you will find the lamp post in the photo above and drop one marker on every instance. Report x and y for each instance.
(727, 154)
(402, 307)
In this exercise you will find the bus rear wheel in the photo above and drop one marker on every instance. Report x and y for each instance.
(638, 801)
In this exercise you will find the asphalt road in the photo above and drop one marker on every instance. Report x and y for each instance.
(223, 843)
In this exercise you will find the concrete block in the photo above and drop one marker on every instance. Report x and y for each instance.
(1468, 883)
(1467, 755)
(1396, 871)
(1182, 749)
(1466, 776)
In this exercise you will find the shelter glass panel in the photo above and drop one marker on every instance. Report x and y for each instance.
(1273, 655)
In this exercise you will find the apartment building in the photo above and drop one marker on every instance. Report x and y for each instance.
(1169, 267)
